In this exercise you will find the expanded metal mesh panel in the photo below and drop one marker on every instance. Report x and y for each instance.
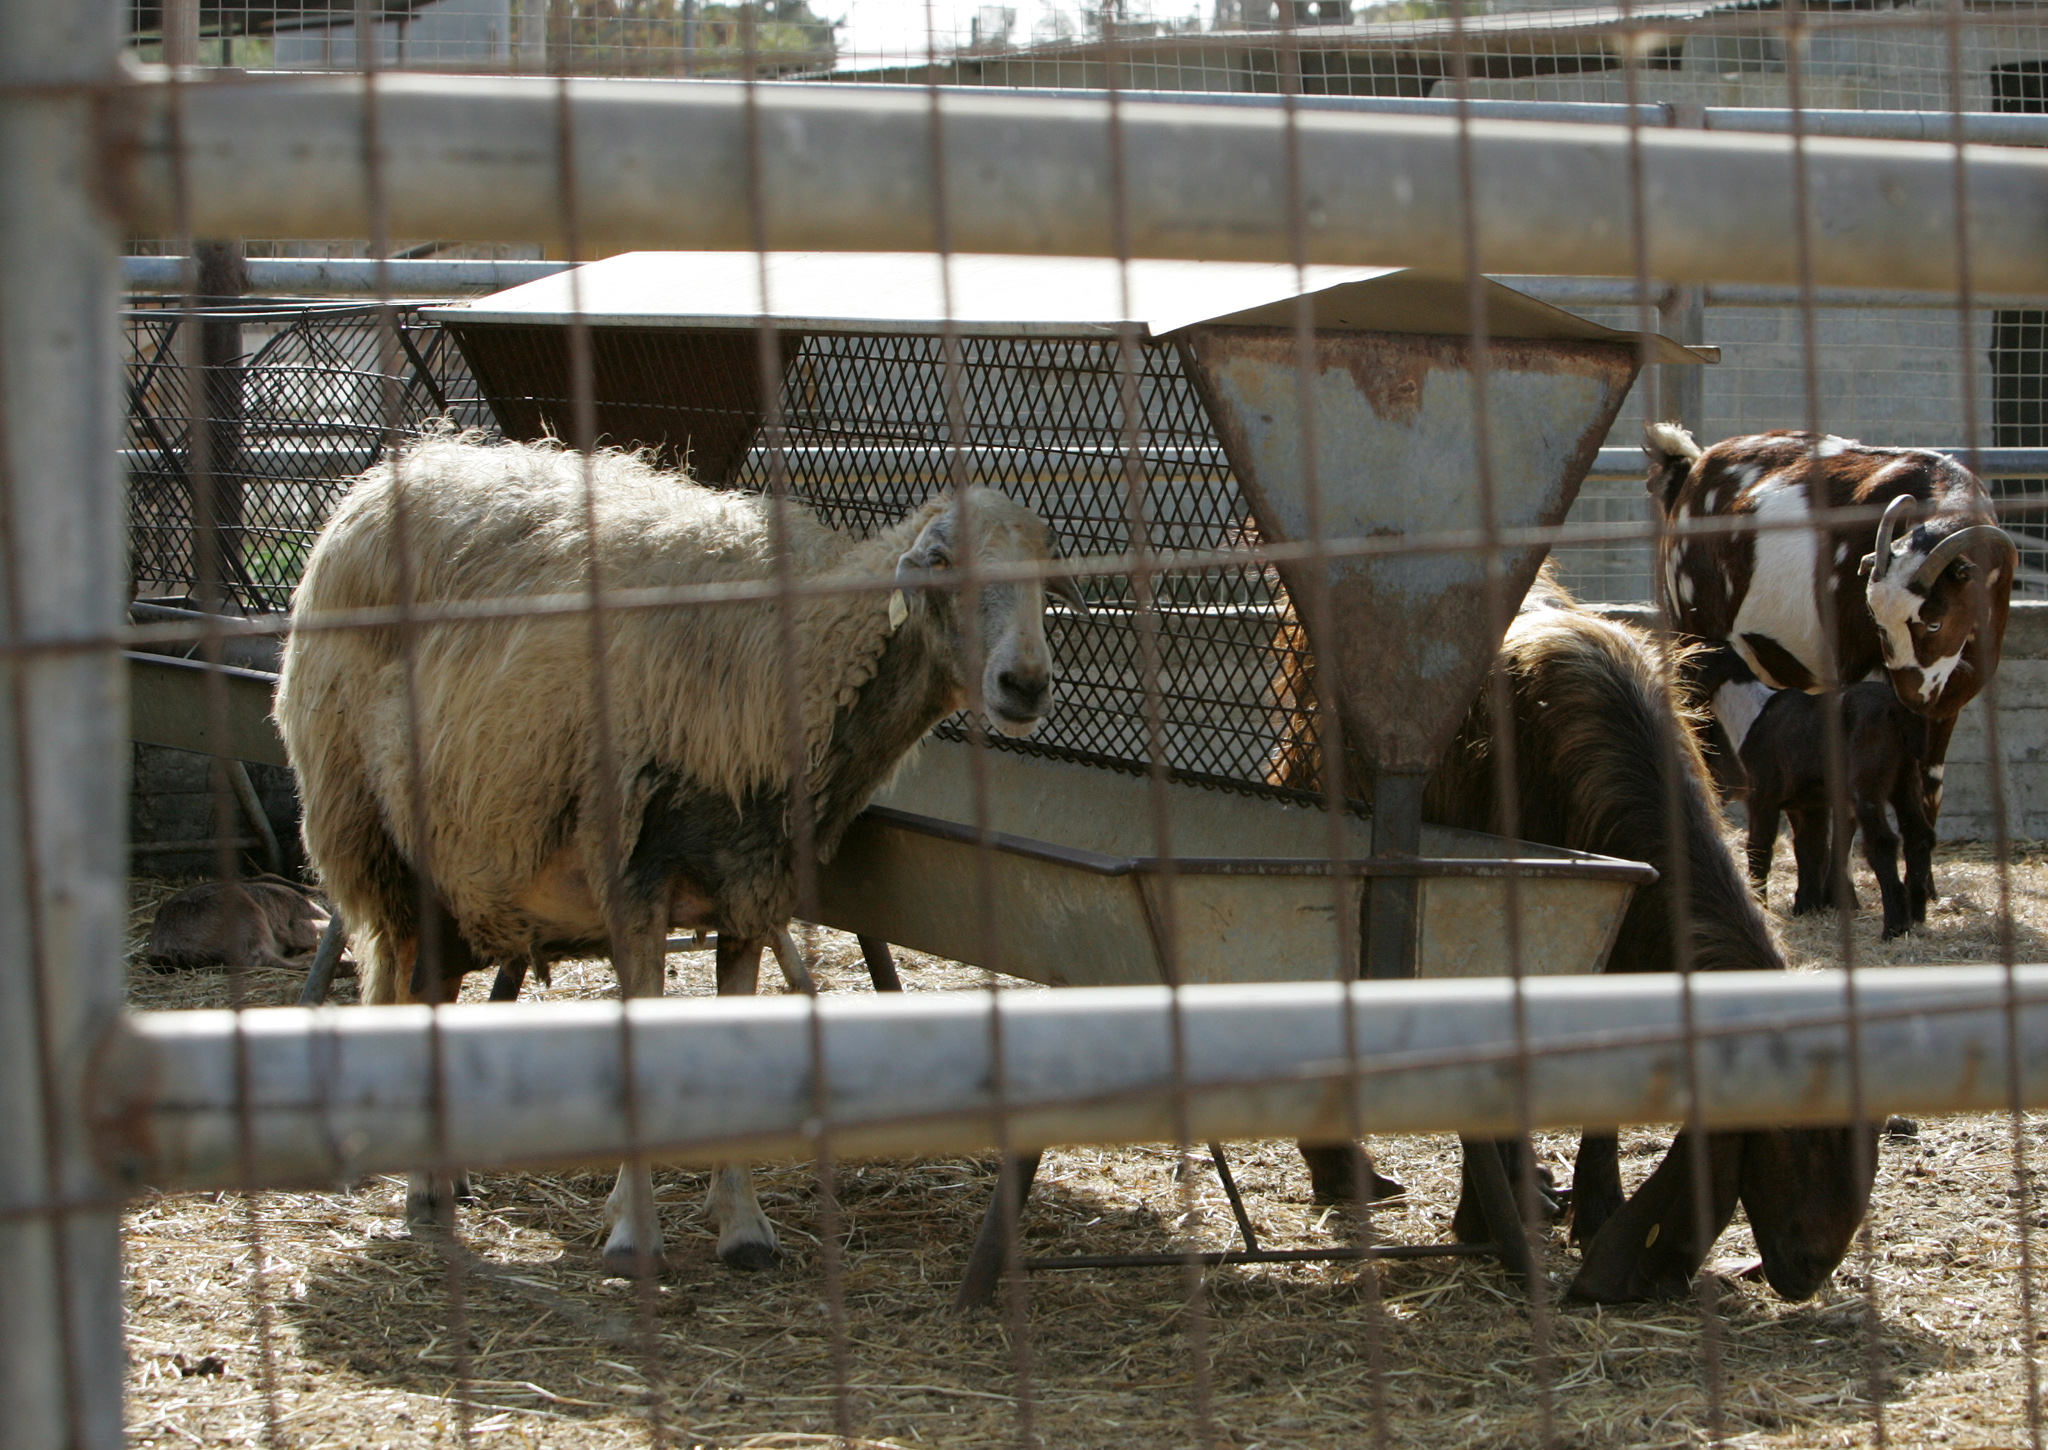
(307, 396)
(869, 430)
(867, 435)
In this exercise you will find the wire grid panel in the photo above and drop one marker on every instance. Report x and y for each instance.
(986, 418)
(296, 410)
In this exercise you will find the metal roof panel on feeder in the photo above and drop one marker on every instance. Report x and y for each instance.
(896, 292)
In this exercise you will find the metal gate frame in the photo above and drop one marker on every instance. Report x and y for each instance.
(89, 152)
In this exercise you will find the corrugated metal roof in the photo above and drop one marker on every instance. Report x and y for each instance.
(895, 292)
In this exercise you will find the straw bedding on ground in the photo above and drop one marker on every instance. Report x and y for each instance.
(311, 1319)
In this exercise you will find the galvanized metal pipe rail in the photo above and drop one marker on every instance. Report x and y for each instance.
(474, 158)
(335, 1094)
(1983, 128)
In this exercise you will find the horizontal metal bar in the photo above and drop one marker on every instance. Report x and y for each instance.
(1096, 863)
(1983, 128)
(1211, 1258)
(1627, 462)
(1979, 128)
(670, 164)
(334, 1093)
(320, 276)
(1611, 113)
(1525, 868)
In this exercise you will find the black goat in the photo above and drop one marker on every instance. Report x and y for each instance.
(1884, 749)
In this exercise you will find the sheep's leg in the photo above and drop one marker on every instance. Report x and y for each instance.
(1881, 850)
(746, 1240)
(387, 971)
(633, 1248)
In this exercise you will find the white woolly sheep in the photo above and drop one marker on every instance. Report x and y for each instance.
(545, 836)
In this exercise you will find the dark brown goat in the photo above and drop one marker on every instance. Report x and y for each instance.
(1599, 728)
(254, 923)
(1884, 747)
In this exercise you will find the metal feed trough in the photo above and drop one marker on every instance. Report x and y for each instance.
(895, 379)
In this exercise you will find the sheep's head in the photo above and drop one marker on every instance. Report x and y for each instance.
(1939, 597)
(982, 526)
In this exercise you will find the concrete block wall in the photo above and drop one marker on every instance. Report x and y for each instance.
(2022, 696)
(171, 801)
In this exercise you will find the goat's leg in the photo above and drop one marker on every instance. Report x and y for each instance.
(1468, 1223)
(1812, 837)
(746, 1240)
(1763, 843)
(1881, 850)
(1654, 1245)
(1596, 1183)
(633, 1248)
(1335, 1171)
(1918, 833)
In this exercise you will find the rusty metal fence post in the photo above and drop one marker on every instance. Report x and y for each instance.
(61, 836)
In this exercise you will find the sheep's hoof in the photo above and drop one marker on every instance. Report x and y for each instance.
(750, 1256)
(431, 1204)
(631, 1263)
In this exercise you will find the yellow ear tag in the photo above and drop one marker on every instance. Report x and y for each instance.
(899, 610)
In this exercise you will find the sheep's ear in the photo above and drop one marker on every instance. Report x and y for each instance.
(933, 550)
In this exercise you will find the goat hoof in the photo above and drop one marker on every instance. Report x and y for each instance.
(751, 1257)
(631, 1263)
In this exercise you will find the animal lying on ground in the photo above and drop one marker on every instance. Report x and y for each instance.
(1784, 754)
(1922, 595)
(543, 829)
(1602, 741)
(251, 924)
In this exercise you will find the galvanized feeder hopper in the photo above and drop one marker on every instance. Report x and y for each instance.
(1062, 382)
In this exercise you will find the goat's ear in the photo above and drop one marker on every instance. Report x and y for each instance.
(1066, 589)
(1961, 570)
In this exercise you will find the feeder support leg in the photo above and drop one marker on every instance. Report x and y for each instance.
(1387, 927)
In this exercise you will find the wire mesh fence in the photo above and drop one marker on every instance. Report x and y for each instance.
(623, 604)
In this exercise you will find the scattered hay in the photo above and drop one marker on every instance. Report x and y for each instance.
(364, 1324)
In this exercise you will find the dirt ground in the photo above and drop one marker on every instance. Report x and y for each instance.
(311, 1319)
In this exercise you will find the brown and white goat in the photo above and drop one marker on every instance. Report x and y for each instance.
(1883, 744)
(1602, 742)
(1922, 596)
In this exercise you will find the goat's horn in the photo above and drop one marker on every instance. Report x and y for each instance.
(1946, 551)
(1897, 512)
(1064, 587)
(1067, 590)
